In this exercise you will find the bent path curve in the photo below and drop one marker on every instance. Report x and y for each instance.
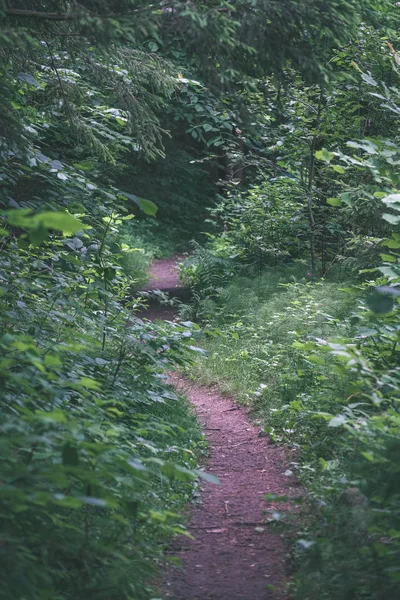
(164, 273)
(235, 553)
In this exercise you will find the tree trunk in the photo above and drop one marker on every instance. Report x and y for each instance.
(311, 188)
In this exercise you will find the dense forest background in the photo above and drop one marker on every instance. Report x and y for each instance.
(263, 137)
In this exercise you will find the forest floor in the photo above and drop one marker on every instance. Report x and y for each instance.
(236, 552)
(164, 273)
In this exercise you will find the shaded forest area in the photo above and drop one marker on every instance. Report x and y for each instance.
(261, 136)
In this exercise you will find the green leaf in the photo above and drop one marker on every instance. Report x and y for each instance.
(337, 421)
(391, 199)
(394, 244)
(136, 464)
(198, 350)
(314, 358)
(380, 303)
(324, 464)
(55, 416)
(368, 79)
(393, 219)
(61, 221)
(338, 169)
(51, 360)
(174, 471)
(387, 289)
(67, 501)
(388, 258)
(306, 544)
(89, 383)
(334, 201)
(70, 456)
(207, 477)
(148, 207)
(29, 79)
(94, 501)
(389, 272)
(370, 457)
(324, 155)
(346, 198)
(215, 141)
(84, 165)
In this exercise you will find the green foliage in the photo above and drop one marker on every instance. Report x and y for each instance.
(98, 452)
(90, 433)
(181, 190)
(117, 120)
(251, 37)
(316, 360)
(320, 370)
(135, 260)
(206, 275)
(263, 226)
(260, 319)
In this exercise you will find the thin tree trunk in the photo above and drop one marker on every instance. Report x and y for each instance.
(311, 190)
(324, 248)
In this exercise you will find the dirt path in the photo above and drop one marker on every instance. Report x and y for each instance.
(236, 553)
(164, 273)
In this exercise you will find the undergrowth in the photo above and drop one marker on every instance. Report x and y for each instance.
(155, 239)
(142, 242)
(252, 327)
(307, 357)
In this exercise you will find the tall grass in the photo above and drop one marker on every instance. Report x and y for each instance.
(267, 341)
(250, 330)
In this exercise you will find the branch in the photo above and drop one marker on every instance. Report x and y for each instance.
(57, 16)
(53, 64)
(36, 14)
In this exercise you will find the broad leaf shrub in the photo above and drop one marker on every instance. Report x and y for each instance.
(320, 369)
(98, 452)
(96, 448)
(262, 226)
(318, 361)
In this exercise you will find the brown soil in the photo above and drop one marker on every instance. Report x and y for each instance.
(164, 273)
(236, 552)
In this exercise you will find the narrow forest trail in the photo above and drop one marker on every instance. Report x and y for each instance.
(164, 273)
(235, 553)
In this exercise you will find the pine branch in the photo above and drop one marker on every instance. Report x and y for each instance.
(57, 16)
(36, 14)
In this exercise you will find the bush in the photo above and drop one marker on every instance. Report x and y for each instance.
(263, 226)
(320, 370)
(135, 261)
(98, 452)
